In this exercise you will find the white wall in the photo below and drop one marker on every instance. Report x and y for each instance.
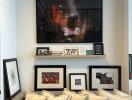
(130, 27)
(130, 36)
(7, 33)
(0, 41)
(113, 37)
(0, 47)
(125, 48)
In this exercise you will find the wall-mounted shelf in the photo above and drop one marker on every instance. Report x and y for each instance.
(78, 56)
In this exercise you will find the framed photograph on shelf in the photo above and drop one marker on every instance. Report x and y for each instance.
(98, 49)
(82, 51)
(77, 81)
(106, 77)
(50, 77)
(89, 52)
(42, 51)
(57, 53)
(71, 51)
(11, 77)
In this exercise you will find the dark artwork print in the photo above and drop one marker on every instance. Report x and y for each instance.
(104, 79)
(50, 77)
(130, 66)
(77, 81)
(69, 21)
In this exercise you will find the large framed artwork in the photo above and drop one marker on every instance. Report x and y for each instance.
(130, 66)
(69, 21)
(78, 81)
(11, 79)
(50, 77)
(106, 77)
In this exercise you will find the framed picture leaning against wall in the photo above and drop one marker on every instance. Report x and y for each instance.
(130, 66)
(50, 77)
(11, 77)
(78, 81)
(105, 76)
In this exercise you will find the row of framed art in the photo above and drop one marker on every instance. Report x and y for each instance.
(130, 66)
(53, 77)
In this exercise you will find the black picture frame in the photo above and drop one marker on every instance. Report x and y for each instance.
(11, 78)
(47, 84)
(130, 66)
(98, 49)
(78, 82)
(95, 70)
(40, 51)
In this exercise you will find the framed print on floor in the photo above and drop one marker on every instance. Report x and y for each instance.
(50, 77)
(106, 77)
(11, 77)
(77, 81)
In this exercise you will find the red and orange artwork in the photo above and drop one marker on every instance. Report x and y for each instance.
(50, 78)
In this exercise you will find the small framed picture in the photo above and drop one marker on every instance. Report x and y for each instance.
(42, 51)
(77, 81)
(71, 51)
(89, 52)
(98, 49)
(106, 77)
(50, 77)
(82, 51)
(11, 77)
(57, 53)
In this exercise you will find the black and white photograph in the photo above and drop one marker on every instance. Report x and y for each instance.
(78, 81)
(106, 77)
(71, 51)
(12, 77)
(42, 51)
(69, 21)
(98, 49)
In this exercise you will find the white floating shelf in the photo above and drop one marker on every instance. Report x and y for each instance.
(71, 56)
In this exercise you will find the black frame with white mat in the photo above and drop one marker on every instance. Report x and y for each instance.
(50, 77)
(11, 78)
(107, 77)
(77, 81)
